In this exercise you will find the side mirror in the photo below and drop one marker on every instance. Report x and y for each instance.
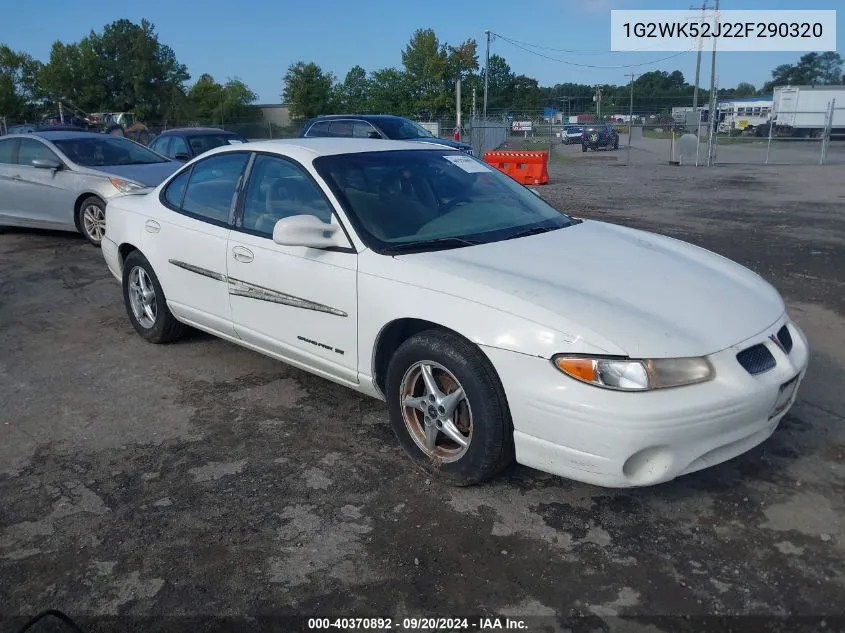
(307, 230)
(46, 163)
(181, 156)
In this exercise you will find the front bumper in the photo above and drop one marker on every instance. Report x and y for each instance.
(112, 257)
(627, 439)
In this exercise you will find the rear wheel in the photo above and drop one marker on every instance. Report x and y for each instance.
(146, 304)
(91, 219)
(448, 409)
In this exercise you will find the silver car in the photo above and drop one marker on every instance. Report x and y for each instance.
(63, 180)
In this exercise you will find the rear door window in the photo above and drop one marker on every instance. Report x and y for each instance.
(340, 128)
(321, 128)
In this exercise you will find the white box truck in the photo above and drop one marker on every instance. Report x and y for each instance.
(804, 110)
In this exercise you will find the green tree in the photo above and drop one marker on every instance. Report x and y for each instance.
(124, 68)
(18, 83)
(499, 83)
(308, 90)
(745, 89)
(425, 60)
(390, 92)
(353, 94)
(214, 103)
(811, 68)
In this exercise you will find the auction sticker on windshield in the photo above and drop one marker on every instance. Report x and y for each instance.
(469, 165)
(234, 141)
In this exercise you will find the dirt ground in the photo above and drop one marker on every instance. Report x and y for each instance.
(202, 479)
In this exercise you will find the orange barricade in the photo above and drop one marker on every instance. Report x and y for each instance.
(527, 168)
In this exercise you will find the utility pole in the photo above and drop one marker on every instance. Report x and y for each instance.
(698, 61)
(486, 72)
(630, 119)
(597, 99)
(711, 116)
(473, 105)
(61, 113)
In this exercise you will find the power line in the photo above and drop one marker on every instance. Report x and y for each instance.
(584, 51)
(568, 63)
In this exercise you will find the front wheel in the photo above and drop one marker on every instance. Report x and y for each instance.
(145, 302)
(91, 219)
(448, 409)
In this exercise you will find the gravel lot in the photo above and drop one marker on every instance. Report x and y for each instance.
(204, 479)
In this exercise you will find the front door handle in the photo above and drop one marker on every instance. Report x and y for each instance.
(243, 255)
(17, 177)
(151, 226)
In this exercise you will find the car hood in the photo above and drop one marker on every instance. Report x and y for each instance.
(622, 290)
(442, 141)
(149, 175)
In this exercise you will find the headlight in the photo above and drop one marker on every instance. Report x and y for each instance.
(635, 374)
(124, 186)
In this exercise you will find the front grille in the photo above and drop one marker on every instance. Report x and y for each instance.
(756, 359)
(785, 339)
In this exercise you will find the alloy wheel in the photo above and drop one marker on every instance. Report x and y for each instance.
(142, 297)
(436, 411)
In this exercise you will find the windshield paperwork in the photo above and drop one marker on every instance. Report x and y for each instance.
(106, 151)
(399, 129)
(410, 201)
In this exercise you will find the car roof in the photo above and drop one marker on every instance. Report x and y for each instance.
(322, 146)
(372, 117)
(62, 135)
(197, 130)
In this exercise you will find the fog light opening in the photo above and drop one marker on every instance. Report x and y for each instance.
(648, 465)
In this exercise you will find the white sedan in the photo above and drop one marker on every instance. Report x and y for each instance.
(496, 327)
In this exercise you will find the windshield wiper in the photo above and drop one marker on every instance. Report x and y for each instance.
(455, 242)
(535, 231)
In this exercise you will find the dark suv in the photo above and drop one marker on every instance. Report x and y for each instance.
(385, 126)
(597, 135)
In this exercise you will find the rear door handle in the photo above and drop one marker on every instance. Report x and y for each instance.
(151, 226)
(17, 177)
(242, 254)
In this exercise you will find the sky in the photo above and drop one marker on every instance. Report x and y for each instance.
(257, 41)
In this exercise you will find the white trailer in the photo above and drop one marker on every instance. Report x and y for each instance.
(804, 110)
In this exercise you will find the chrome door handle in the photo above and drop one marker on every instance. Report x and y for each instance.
(151, 226)
(17, 177)
(242, 254)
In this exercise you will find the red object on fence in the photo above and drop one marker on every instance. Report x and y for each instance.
(457, 134)
(527, 168)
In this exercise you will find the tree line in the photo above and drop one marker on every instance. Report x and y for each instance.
(125, 67)
(425, 85)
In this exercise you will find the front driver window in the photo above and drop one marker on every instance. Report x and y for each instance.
(279, 189)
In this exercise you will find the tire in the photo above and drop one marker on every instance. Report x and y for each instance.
(91, 220)
(163, 326)
(482, 416)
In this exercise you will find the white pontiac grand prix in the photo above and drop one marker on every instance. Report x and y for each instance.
(496, 327)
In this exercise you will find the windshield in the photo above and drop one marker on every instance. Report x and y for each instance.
(108, 150)
(398, 129)
(402, 201)
(203, 142)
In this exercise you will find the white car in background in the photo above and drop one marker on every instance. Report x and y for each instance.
(495, 326)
